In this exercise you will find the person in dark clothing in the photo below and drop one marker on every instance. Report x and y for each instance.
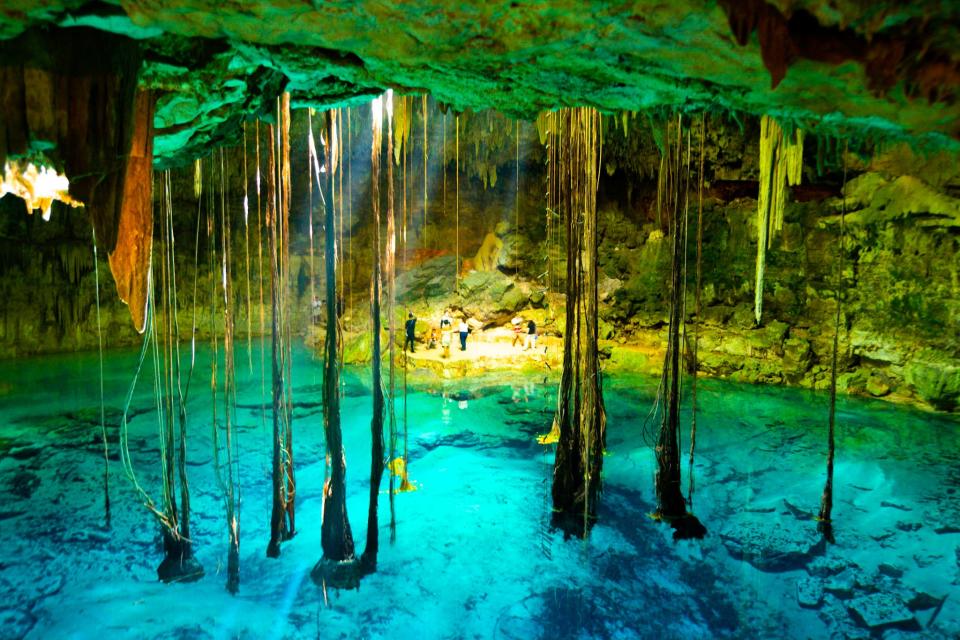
(464, 330)
(531, 342)
(411, 327)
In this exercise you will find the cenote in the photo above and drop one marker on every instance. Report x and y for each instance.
(492, 320)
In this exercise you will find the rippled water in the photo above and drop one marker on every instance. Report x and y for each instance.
(473, 557)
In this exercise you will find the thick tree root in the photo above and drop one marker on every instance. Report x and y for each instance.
(345, 574)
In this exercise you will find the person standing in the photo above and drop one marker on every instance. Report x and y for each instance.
(531, 342)
(446, 334)
(411, 327)
(464, 329)
(517, 323)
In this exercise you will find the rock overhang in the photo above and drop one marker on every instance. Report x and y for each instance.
(884, 71)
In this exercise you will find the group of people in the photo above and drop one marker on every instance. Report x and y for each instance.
(443, 335)
(525, 332)
(528, 337)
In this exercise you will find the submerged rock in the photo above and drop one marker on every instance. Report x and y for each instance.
(772, 546)
(841, 585)
(879, 611)
(824, 566)
(23, 484)
(809, 593)
(15, 622)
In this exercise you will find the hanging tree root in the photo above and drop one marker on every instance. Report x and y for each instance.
(178, 564)
(343, 574)
(685, 526)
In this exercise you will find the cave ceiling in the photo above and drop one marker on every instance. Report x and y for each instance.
(879, 70)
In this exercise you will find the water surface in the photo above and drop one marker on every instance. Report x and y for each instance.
(473, 556)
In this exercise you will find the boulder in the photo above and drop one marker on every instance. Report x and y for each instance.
(773, 545)
(797, 357)
(809, 593)
(824, 566)
(841, 585)
(537, 298)
(878, 385)
(877, 347)
(428, 280)
(607, 287)
(516, 254)
(879, 611)
(490, 293)
(936, 381)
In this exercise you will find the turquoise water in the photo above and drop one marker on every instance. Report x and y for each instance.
(473, 557)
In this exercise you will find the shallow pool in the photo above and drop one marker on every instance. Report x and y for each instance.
(473, 555)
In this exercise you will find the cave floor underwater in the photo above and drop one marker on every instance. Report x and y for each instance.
(474, 557)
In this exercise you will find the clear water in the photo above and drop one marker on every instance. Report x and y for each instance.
(473, 557)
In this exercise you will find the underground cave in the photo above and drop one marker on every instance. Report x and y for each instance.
(479, 320)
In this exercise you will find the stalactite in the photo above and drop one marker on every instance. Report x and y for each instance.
(781, 164)
(369, 558)
(825, 517)
(130, 257)
(198, 177)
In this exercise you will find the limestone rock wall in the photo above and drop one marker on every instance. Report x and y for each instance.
(901, 301)
(901, 289)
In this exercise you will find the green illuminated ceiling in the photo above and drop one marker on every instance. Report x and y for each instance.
(216, 61)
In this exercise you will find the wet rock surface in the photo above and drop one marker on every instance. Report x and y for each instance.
(809, 593)
(777, 546)
(880, 611)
